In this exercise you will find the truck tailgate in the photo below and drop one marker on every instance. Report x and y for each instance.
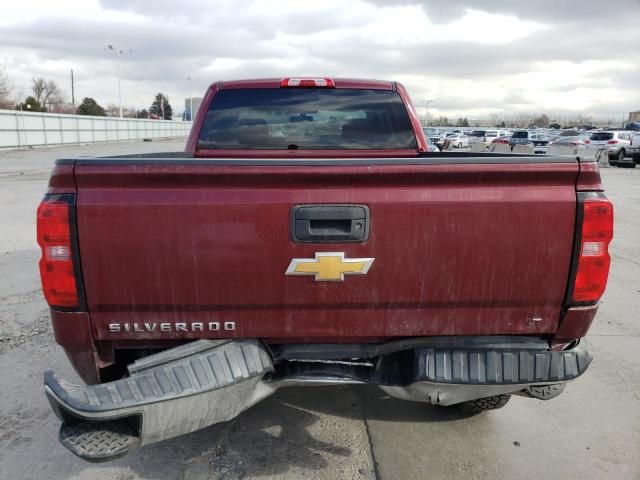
(185, 248)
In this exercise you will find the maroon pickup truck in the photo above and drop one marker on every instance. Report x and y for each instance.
(307, 237)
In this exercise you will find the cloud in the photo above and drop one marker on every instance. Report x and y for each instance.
(499, 55)
(565, 11)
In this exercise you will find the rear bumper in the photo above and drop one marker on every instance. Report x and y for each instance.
(206, 382)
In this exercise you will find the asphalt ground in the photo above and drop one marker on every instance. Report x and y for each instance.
(592, 431)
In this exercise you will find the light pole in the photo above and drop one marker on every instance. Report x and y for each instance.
(118, 52)
(427, 120)
(190, 80)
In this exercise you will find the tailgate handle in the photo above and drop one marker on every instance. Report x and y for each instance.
(329, 223)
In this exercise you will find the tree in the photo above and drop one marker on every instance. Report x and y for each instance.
(5, 90)
(31, 105)
(142, 113)
(90, 107)
(495, 119)
(523, 119)
(161, 107)
(64, 107)
(441, 122)
(541, 122)
(46, 92)
(129, 112)
(112, 110)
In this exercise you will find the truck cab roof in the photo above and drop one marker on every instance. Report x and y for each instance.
(338, 82)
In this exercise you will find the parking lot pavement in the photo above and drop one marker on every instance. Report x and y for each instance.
(592, 431)
(33, 160)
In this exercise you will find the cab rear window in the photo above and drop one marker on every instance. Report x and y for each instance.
(307, 118)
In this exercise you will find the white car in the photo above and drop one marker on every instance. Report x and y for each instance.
(615, 142)
(486, 136)
(491, 135)
(457, 140)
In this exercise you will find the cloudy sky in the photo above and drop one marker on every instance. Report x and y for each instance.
(471, 58)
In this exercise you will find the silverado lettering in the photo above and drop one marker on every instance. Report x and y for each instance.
(171, 327)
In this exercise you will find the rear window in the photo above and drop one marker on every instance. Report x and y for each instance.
(477, 133)
(601, 136)
(289, 118)
(491, 133)
(520, 135)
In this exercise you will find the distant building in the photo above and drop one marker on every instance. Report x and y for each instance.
(197, 101)
(634, 116)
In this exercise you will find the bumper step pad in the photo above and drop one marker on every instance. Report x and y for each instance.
(98, 441)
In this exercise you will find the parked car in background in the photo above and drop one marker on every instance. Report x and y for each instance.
(539, 141)
(457, 140)
(432, 133)
(504, 139)
(572, 133)
(485, 136)
(615, 142)
(575, 141)
(634, 149)
(491, 135)
(476, 136)
(519, 137)
(432, 146)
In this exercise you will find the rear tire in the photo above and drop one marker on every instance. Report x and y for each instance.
(620, 155)
(612, 163)
(483, 404)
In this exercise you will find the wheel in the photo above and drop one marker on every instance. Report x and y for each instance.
(459, 145)
(483, 404)
(612, 163)
(620, 155)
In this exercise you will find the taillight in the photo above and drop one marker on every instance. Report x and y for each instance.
(56, 264)
(593, 258)
(587, 141)
(307, 83)
(612, 142)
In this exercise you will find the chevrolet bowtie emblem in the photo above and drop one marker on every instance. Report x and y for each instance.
(329, 266)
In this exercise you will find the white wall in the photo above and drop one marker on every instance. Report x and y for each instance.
(21, 129)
